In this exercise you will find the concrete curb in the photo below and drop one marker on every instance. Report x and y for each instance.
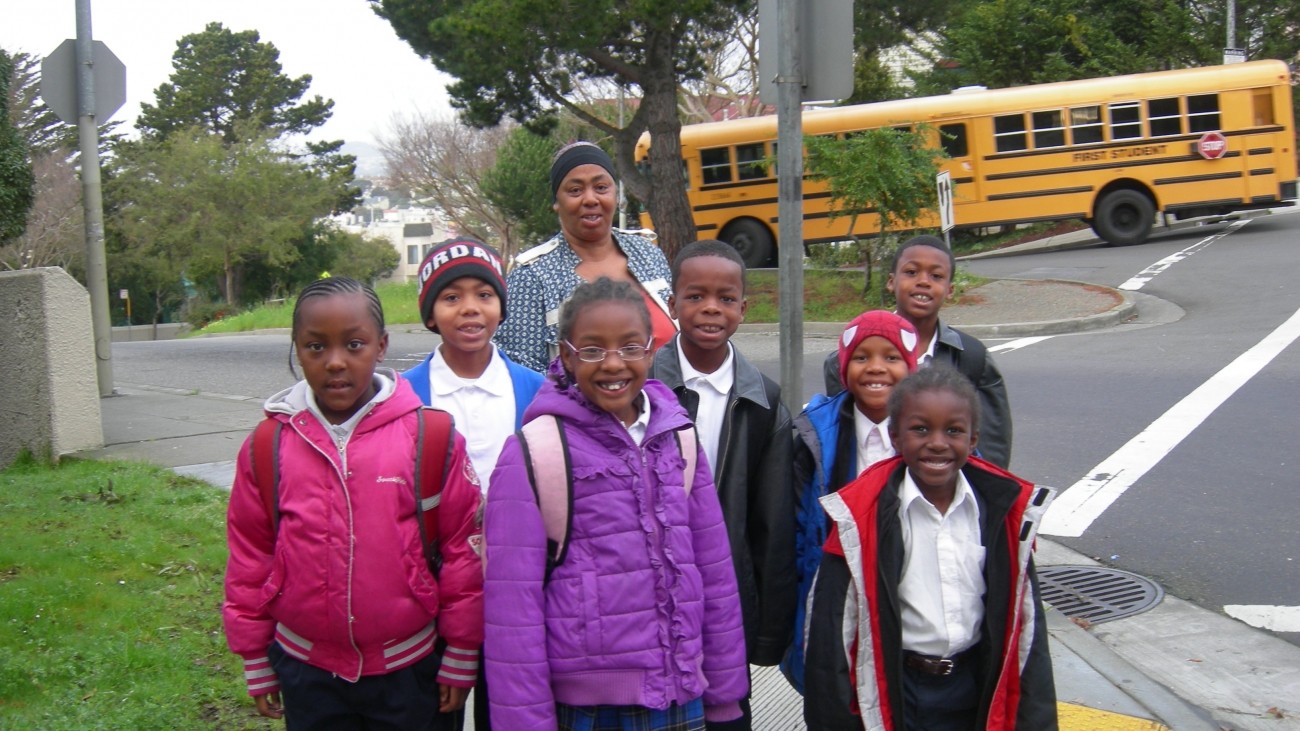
(1158, 700)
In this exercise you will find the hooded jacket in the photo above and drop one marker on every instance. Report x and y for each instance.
(755, 487)
(822, 431)
(643, 609)
(343, 584)
(855, 654)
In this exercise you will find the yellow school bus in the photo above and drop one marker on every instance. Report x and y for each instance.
(1111, 151)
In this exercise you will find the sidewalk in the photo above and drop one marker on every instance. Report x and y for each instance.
(1175, 666)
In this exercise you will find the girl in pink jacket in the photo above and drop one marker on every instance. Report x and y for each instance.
(329, 598)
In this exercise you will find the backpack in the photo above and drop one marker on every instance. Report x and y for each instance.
(434, 445)
(550, 471)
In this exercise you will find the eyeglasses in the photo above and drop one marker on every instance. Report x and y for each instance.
(593, 354)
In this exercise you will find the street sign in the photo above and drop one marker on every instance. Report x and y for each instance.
(944, 184)
(1234, 55)
(825, 49)
(1212, 145)
(59, 81)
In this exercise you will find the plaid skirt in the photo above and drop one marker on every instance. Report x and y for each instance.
(689, 717)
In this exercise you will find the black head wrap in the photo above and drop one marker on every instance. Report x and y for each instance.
(575, 154)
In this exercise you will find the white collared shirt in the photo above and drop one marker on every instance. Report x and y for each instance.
(872, 439)
(483, 408)
(637, 429)
(942, 589)
(712, 389)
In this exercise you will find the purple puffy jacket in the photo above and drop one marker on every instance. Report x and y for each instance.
(644, 608)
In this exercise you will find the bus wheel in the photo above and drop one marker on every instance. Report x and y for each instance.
(1124, 218)
(751, 240)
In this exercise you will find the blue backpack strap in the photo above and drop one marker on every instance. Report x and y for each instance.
(434, 446)
(550, 472)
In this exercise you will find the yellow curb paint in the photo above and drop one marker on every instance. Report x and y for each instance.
(1082, 718)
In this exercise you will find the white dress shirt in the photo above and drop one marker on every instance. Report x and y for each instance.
(637, 429)
(872, 439)
(942, 589)
(483, 407)
(712, 389)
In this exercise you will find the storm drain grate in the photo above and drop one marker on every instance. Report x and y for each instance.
(1096, 593)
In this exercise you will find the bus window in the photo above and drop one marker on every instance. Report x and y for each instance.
(715, 165)
(953, 139)
(1048, 129)
(1009, 133)
(1164, 117)
(1125, 122)
(749, 162)
(1203, 111)
(1085, 125)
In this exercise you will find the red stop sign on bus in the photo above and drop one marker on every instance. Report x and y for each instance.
(1212, 145)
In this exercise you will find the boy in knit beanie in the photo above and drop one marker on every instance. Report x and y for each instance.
(462, 291)
(838, 437)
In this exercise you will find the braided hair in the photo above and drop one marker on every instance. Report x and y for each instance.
(329, 287)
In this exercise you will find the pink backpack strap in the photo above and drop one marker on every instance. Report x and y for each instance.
(688, 445)
(546, 454)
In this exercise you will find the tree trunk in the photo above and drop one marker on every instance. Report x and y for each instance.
(667, 201)
(230, 281)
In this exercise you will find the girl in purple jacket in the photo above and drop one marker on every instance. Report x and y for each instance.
(637, 626)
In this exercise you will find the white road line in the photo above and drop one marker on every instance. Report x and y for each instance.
(1083, 502)
(1018, 343)
(1146, 275)
(1266, 616)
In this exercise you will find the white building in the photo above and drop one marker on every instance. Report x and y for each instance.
(410, 231)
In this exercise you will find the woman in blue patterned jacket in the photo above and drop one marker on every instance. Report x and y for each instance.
(586, 248)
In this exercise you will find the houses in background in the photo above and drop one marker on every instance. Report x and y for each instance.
(411, 231)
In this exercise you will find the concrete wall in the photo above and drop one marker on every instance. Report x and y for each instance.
(49, 400)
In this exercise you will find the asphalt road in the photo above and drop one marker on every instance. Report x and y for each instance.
(1211, 510)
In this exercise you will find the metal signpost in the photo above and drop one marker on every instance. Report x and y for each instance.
(83, 82)
(812, 44)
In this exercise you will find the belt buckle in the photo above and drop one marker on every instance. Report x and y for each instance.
(943, 666)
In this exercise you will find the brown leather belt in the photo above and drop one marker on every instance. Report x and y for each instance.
(931, 665)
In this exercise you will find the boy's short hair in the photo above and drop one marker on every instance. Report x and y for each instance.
(933, 242)
(455, 258)
(707, 247)
(938, 376)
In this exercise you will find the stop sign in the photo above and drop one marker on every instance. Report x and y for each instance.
(1212, 145)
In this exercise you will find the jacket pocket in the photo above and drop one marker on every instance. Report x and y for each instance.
(423, 587)
(274, 582)
(591, 615)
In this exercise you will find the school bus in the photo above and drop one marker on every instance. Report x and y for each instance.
(1111, 151)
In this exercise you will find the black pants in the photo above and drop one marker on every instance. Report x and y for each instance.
(404, 700)
(941, 702)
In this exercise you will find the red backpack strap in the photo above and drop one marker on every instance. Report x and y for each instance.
(434, 445)
(546, 455)
(265, 457)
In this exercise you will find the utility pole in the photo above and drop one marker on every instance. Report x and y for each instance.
(1232, 24)
(789, 182)
(92, 202)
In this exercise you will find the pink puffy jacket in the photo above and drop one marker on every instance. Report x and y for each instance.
(344, 585)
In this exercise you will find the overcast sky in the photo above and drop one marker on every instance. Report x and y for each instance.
(353, 55)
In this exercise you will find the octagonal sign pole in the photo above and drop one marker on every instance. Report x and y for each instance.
(1212, 145)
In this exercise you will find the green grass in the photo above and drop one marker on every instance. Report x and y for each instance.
(829, 296)
(399, 300)
(110, 594)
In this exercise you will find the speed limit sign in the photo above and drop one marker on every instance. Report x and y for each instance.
(944, 183)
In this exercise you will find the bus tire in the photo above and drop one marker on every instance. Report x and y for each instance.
(1124, 217)
(751, 240)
